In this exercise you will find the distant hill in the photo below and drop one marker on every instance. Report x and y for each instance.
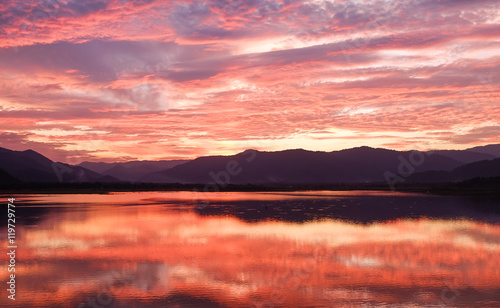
(30, 166)
(27, 165)
(483, 169)
(297, 166)
(465, 156)
(131, 171)
(491, 149)
(97, 167)
(357, 165)
(7, 179)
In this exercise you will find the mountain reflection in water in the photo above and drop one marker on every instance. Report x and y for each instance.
(256, 250)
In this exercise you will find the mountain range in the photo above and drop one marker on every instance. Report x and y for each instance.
(30, 166)
(297, 166)
(131, 171)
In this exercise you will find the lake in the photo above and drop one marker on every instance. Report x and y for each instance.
(248, 249)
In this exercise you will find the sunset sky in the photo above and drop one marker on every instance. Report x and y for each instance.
(125, 80)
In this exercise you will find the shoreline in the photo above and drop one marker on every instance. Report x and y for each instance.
(469, 188)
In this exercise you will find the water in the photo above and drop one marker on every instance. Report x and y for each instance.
(296, 249)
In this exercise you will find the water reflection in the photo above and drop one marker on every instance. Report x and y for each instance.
(158, 251)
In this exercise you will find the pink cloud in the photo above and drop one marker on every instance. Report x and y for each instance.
(95, 79)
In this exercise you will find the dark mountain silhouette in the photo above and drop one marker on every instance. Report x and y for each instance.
(153, 164)
(484, 169)
(131, 171)
(357, 165)
(99, 167)
(30, 166)
(465, 156)
(123, 173)
(491, 149)
(7, 179)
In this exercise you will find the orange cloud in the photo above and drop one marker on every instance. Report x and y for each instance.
(218, 77)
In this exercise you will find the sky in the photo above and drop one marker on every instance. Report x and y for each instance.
(120, 80)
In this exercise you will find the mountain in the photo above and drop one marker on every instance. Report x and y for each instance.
(30, 166)
(99, 167)
(483, 169)
(131, 171)
(357, 165)
(491, 149)
(298, 166)
(27, 165)
(465, 156)
(7, 179)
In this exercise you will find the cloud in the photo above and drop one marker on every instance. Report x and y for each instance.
(478, 135)
(192, 78)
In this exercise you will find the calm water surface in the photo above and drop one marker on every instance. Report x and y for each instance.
(296, 249)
